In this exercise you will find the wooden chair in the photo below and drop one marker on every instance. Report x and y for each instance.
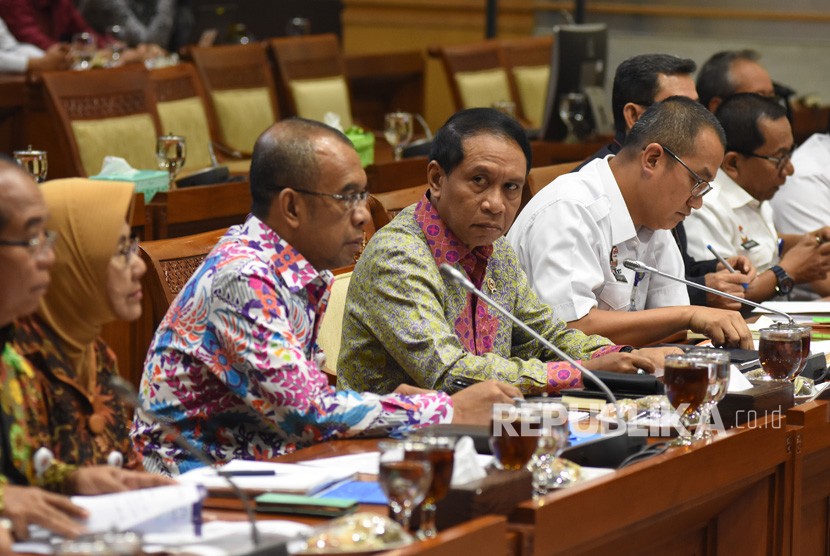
(398, 174)
(183, 110)
(395, 201)
(241, 90)
(542, 176)
(476, 73)
(527, 60)
(547, 153)
(101, 113)
(170, 264)
(198, 209)
(330, 332)
(311, 77)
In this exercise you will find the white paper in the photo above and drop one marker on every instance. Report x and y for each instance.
(796, 307)
(367, 463)
(214, 532)
(737, 381)
(287, 477)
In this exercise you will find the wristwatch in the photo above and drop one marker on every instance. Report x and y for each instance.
(785, 282)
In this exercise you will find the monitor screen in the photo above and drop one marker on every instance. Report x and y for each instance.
(577, 78)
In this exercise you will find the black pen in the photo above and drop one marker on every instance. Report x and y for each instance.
(248, 473)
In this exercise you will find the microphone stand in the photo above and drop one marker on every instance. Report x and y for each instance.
(638, 266)
(456, 276)
(127, 393)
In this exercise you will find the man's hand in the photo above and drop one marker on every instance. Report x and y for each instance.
(26, 505)
(474, 404)
(725, 281)
(621, 362)
(409, 390)
(807, 260)
(743, 265)
(104, 479)
(724, 328)
(55, 58)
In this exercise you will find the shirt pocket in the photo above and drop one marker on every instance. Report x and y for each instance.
(616, 296)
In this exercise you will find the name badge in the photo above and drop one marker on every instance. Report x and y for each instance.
(749, 244)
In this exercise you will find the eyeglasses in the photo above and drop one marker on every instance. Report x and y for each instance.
(779, 161)
(38, 246)
(350, 200)
(127, 249)
(701, 186)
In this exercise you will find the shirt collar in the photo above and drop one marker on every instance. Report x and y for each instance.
(443, 243)
(733, 195)
(622, 227)
(290, 264)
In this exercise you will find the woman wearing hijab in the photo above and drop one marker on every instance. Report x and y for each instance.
(95, 280)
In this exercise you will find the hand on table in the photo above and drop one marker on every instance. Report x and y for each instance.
(474, 404)
(104, 479)
(32, 505)
(724, 328)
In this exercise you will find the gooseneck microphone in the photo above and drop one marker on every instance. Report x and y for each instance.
(125, 391)
(638, 266)
(456, 276)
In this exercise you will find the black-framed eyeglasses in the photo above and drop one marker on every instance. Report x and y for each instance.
(127, 249)
(37, 246)
(350, 200)
(701, 186)
(778, 161)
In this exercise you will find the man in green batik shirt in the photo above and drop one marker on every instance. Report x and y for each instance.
(405, 323)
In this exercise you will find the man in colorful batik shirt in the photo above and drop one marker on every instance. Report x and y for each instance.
(405, 322)
(235, 366)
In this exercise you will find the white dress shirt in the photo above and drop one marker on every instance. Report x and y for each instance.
(14, 56)
(734, 223)
(803, 204)
(573, 237)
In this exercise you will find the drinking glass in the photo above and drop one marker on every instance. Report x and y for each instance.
(718, 362)
(779, 350)
(686, 377)
(117, 46)
(514, 435)
(806, 334)
(439, 451)
(171, 153)
(397, 130)
(548, 469)
(34, 162)
(298, 26)
(405, 481)
(83, 50)
(573, 110)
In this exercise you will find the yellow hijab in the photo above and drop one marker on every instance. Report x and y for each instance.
(88, 216)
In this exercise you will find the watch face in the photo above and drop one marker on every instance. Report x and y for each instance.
(786, 285)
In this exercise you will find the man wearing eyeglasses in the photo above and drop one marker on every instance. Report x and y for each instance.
(738, 220)
(235, 365)
(575, 234)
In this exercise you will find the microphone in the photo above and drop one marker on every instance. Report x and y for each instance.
(125, 391)
(456, 276)
(638, 266)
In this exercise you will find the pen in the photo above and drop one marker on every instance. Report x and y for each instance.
(248, 473)
(721, 260)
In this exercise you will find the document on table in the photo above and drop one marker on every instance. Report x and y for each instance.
(264, 476)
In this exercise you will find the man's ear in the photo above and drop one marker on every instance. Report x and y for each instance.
(714, 103)
(652, 158)
(632, 113)
(435, 179)
(730, 165)
(286, 208)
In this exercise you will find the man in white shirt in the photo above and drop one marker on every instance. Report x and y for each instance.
(575, 234)
(737, 220)
(803, 204)
(17, 57)
(730, 72)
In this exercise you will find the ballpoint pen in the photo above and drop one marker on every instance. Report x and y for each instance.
(724, 262)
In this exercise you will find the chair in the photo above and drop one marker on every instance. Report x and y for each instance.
(170, 264)
(183, 110)
(398, 174)
(542, 176)
(395, 201)
(527, 60)
(312, 77)
(547, 153)
(329, 334)
(197, 209)
(241, 91)
(101, 113)
(476, 73)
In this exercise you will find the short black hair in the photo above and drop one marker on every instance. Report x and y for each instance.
(715, 77)
(284, 157)
(636, 80)
(740, 115)
(448, 145)
(675, 123)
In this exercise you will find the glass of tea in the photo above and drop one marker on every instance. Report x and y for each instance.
(514, 435)
(549, 471)
(404, 481)
(687, 377)
(806, 335)
(718, 361)
(439, 451)
(780, 352)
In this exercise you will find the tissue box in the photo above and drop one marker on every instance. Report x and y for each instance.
(364, 144)
(148, 182)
